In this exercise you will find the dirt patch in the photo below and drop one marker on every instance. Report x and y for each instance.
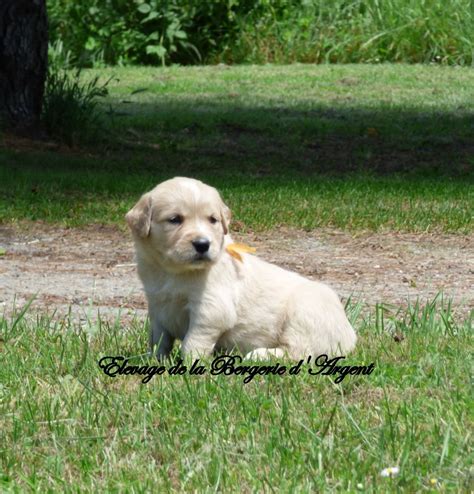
(93, 268)
(392, 268)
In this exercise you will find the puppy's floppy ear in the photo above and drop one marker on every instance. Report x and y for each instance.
(139, 217)
(225, 218)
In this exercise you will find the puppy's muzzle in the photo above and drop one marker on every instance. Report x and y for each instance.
(201, 245)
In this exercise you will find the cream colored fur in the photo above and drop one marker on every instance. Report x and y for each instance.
(216, 302)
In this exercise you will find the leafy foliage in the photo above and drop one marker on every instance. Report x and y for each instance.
(147, 32)
(98, 32)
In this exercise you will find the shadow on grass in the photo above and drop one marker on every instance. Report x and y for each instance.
(217, 135)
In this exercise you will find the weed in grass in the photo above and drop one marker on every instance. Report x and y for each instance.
(58, 57)
(70, 111)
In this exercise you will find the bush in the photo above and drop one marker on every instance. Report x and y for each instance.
(98, 32)
(70, 111)
(138, 31)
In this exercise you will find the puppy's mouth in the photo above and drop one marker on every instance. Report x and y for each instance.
(201, 258)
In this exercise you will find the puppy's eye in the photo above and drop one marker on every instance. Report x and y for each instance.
(213, 220)
(177, 219)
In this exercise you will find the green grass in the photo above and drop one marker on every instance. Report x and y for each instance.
(65, 426)
(354, 147)
(353, 32)
(357, 203)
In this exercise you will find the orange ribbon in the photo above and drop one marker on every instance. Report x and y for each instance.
(235, 250)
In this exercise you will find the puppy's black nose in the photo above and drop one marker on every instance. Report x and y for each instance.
(201, 244)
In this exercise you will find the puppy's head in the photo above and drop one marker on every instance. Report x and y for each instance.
(181, 223)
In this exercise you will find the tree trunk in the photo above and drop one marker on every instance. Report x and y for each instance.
(23, 61)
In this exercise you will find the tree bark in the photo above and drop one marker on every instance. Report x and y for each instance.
(23, 61)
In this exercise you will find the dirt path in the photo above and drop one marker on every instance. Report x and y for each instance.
(93, 268)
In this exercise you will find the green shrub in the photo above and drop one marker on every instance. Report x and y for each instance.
(70, 111)
(98, 32)
(138, 31)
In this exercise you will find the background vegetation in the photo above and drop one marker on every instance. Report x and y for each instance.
(97, 32)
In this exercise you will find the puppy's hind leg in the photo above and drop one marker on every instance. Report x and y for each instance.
(265, 354)
(317, 323)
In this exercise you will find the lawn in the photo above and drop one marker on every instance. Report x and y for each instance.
(66, 426)
(359, 148)
(356, 147)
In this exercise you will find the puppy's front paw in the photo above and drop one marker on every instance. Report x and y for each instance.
(265, 354)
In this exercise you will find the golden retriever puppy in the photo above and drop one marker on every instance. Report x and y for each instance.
(211, 300)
